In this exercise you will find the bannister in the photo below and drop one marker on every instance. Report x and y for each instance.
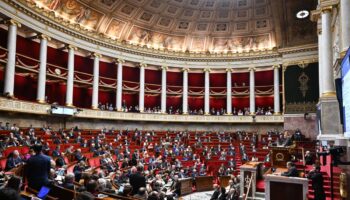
(43, 109)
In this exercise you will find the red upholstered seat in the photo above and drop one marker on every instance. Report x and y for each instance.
(2, 164)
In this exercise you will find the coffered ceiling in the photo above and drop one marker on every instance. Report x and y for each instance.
(193, 25)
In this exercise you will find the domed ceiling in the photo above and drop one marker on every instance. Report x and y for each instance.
(191, 25)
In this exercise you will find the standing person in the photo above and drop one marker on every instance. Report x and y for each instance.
(38, 169)
(317, 183)
(137, 180)
(216, 193)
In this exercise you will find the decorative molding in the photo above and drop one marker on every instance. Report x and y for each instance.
(144, 65)
(43, 36)
(27, 13)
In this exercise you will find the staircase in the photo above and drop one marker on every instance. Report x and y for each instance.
(327, 184)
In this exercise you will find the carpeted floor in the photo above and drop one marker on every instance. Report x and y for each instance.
(198, 196)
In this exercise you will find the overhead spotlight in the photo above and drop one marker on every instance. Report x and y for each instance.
(302, 14)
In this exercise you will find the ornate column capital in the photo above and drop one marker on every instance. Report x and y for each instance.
(276, 66)
(120, 60)
(164, 67)
(96, 55)
(43, 37)
(207, 70)
(229, 70)
(13, 22)
(251, 69)
(326, 9)
(143, 65)
(185, 69)
(69, 46)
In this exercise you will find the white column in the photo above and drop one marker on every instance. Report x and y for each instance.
(207, 92)
(119, 85)
(40, 97)
(345, 25)
(96, 80)
(70, 76)
(276, 90)
(252, 91)
(320, 63)
(327, 63)
(228, 91)
(185, 92)
(163, 95)
(9, 82)
(142, 87)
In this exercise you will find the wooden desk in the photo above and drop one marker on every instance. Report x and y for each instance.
(204, 183)
(280, 187)
(185, 186)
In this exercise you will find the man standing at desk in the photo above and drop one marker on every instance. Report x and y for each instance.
(292, 170)
(317, 183)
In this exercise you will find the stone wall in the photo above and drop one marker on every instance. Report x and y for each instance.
(307, 126)
(25, 120)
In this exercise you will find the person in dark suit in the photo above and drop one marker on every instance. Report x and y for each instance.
(292, 170)
(137, 180)
(38, 169)
(216, 193)
(317, 183)
(14, 160)
(176, 186)
(57, 152)
(309, 160)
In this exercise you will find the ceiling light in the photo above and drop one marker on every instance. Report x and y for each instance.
(302, 14)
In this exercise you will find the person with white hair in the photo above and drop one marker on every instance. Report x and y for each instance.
(69, 181)
(14, 160)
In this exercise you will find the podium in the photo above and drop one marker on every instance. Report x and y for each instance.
(247, 171)
(286, 188)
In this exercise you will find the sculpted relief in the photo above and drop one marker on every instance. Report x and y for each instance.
(115, 28)
(73, 11)
(241, 43)
(155, 39)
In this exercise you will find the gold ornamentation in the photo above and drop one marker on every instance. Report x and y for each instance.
(279, 157)
(47, 16)
(303, 80)
(328, 94)
(343, 185)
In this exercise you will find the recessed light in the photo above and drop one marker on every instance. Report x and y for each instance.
(302, 14)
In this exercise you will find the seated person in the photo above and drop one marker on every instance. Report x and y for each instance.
(13, 160)
(79, 169)
(292, 170)
(68, 181)
(141, 194)
(78, 155)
